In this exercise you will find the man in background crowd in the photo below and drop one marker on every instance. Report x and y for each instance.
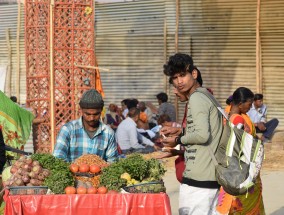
(129, 139)
(258, 113)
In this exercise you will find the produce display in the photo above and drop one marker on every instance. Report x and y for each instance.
(60, 176)
(27, 172)
(86, 170)
(89, 174)
(132, 170)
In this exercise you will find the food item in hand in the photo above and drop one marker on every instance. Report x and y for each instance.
(70, 190)
(166, 149)
(102, 190)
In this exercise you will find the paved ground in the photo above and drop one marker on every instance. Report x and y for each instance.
(273, 191)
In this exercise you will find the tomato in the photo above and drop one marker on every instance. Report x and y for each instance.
(102, 190)
(92, 190)
(70, 190)
(112, 192)
(95, 169)
(81, 190)
(84, 168)
(74, 168)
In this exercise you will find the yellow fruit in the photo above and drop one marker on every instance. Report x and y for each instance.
(133, 181)
(126, 176)
(136, 182)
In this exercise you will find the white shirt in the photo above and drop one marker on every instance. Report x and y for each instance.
(125, 112)
(257, 115)
(127, 135)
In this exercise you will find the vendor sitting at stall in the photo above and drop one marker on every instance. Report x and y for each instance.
(87, 135)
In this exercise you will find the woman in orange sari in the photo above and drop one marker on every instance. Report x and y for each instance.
(251, 204)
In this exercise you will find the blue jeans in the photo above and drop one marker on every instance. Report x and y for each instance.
(270, 127)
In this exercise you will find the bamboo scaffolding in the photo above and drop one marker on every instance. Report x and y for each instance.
(166, 88)
(9, 64)
(18, 52)
(52, 113)
(92, 67)
(176, 49)
(258, 51)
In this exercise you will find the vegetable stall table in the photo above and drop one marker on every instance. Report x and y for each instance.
(103, 204)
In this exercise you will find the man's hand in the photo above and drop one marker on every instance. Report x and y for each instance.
(157, 148)
(169, 153)
(169, 142)
(261, 126)
(170, 131)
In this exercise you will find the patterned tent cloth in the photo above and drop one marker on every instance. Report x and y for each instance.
(15, 122)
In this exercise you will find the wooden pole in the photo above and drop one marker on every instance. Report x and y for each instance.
(176, 50)
(257, 50)
(18, 52)
(52, 113)
(177, 26)
(9, 64)
(166, 88)
(92, 67)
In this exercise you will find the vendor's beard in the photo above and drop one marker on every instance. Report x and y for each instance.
(93, 124)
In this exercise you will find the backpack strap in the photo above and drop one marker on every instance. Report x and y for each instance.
(213, 100)
(218, 106)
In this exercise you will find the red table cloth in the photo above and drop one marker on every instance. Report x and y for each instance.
(84, 204)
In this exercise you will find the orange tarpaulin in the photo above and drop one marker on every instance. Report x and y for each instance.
(98, 82)
(103, 204)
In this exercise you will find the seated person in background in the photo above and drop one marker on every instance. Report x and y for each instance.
(257, 113)
(124, 108)
(129, 139)
(165, 120)
(112, 118)
(166, 107)
(87, 135)
(151, 120)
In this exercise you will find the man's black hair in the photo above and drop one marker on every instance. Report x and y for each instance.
(163, 97)
(257, 96)
(178, 63)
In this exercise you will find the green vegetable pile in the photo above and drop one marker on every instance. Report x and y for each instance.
(60, 176)
(135, 165)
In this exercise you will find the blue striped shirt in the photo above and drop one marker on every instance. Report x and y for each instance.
(73, 141)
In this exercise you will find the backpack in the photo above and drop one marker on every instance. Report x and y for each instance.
(238, 157)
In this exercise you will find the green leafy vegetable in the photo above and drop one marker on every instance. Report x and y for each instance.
(136, 166)
(60, 176)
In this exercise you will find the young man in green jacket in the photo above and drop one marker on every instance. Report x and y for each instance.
(199, 188)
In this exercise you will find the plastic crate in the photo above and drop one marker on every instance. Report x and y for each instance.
(150, 187)
(26, 190)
